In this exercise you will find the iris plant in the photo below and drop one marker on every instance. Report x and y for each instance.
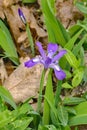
(23, 19)
(49, 59)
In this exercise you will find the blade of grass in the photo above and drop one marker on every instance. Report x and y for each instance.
(53, 25)
(50, 96)
(7, 44)
(71, 42)
(40, 92)
(58, 90)
(4, 93)
(28, 1)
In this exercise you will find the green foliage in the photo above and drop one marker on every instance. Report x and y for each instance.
(73, 100)
(7, 44)
(28, 1)
(4, 93)
(77, 77)
(81, 116)
(62, 115)
(13, 119)
(30, 39)
(56, 32)
(48, 96)
(82, 7)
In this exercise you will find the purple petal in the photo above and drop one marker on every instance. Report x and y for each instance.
(32, 62)
(41, 50)
(59, 55)
(52, 47)
(60, 74)
(22, 16)
(54, 66)
(47, 62)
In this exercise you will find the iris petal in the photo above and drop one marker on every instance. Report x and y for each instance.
(54, 66)
(22, 16)
(47, 62)
(41, 50)
(60, 74)
(32, 62)
(52, 48)
(59, 55)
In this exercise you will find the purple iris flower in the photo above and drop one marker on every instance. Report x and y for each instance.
(49, 59)
(21, 15)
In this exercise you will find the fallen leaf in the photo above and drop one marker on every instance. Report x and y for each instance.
(67, 12)
(1, 10)
(7, 3)
(24, 82)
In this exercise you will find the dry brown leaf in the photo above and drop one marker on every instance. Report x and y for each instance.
(7, 3)
(24, 82)
(67, 12)
(1, 10)
(3, 72)
(14, 21)
(39, 30)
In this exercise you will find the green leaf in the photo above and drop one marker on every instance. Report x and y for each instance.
(24, 108)
(28, 1)
(74, 29)
(73, 100)
(5, 118)
(78, 77)
(70, 110)
(72, 41)
(57, 93)
(39, 102)
(49, 95)
(67, 128)
(51, 5)
(68, 74)
(78, 120)
(81, 117)
(7, 44)
(85, 74)
(72, 59)
(22, 124)
(66, 85)
(83, 24)
(77, 47)
(42, 127)
(81, 7)
(82, 106)
(56, 32)
(47, 127)
(62, 115)
(4, 93)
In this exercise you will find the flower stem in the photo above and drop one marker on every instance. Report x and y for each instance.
(40, 92)
(30, 39)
